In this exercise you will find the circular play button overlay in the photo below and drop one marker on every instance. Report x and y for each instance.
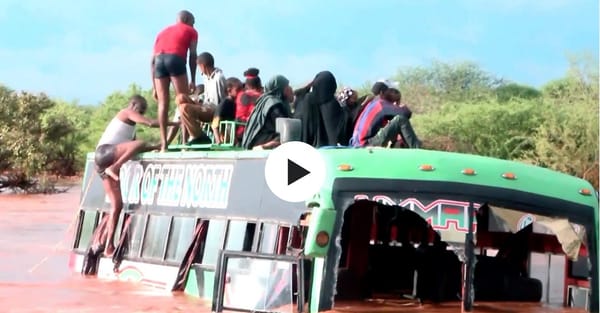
(295, 171)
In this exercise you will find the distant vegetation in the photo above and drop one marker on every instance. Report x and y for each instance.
(458, 107)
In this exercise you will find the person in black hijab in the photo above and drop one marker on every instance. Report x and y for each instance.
(320, 112)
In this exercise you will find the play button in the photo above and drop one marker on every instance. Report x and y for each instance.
(295, 171)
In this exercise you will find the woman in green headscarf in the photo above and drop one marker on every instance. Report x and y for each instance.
(260, 130)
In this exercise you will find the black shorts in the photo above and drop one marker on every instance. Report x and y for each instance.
(168, 65)
(104, 157)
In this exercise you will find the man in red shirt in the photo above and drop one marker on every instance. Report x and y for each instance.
(168, 65)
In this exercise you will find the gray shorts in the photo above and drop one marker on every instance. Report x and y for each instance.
(104, 157)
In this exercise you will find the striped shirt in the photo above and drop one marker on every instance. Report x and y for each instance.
(374, 116)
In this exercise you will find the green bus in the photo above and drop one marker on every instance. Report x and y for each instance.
(400, 224)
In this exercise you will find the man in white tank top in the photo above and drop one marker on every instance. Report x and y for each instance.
(117, 146)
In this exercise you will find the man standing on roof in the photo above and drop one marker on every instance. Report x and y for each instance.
(168, 65)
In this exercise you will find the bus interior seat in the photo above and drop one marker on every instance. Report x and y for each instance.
(504, 277)
(388, 270)
(439, 273)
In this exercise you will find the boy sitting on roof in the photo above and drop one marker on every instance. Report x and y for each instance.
(381, 122)
(226, 110)
(193, 114)
(197, 96)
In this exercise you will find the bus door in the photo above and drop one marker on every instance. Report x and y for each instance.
(259, 282)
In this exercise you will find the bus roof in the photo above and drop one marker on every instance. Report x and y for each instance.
(379, 163)
(449, 167)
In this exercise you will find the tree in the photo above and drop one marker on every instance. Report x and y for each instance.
(65, 125)
(510, 91)
(37, 136)
(427, 88)
(22, 136)
(486, 128)
(568, 140)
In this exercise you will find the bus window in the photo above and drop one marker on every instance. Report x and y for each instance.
(235, 235)
(87, 228)
(182, 231)
(155, 239)
(283, 234)
(119, 228)
(214, 241)
(240, 236)
(135, 238)
(249, 239)
(268, 238)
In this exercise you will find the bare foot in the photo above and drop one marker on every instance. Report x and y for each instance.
(109, 251)
(109, 171)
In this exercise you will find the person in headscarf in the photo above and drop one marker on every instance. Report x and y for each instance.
(348, 99)
(260, 132)
(320, 112)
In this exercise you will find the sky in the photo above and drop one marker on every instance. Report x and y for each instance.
(85, 50)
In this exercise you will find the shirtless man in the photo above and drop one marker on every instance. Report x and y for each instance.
(168, 65)
(116, 146)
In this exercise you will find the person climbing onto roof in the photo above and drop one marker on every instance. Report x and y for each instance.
(374, 127)
(168, 65)
(193, 114)
(226, 110)
(260, 130)
(116, 146)
(215, 89)
(319, 111)
(246, 100)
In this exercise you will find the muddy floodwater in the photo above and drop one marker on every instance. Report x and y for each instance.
(35, 236)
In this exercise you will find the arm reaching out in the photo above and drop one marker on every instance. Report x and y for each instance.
(137, 118)
(192, 59)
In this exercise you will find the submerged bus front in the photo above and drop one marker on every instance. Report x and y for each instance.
(413, 196)
(180, 210)
(212, 240)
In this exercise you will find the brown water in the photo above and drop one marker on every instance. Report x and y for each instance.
(35, 235)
